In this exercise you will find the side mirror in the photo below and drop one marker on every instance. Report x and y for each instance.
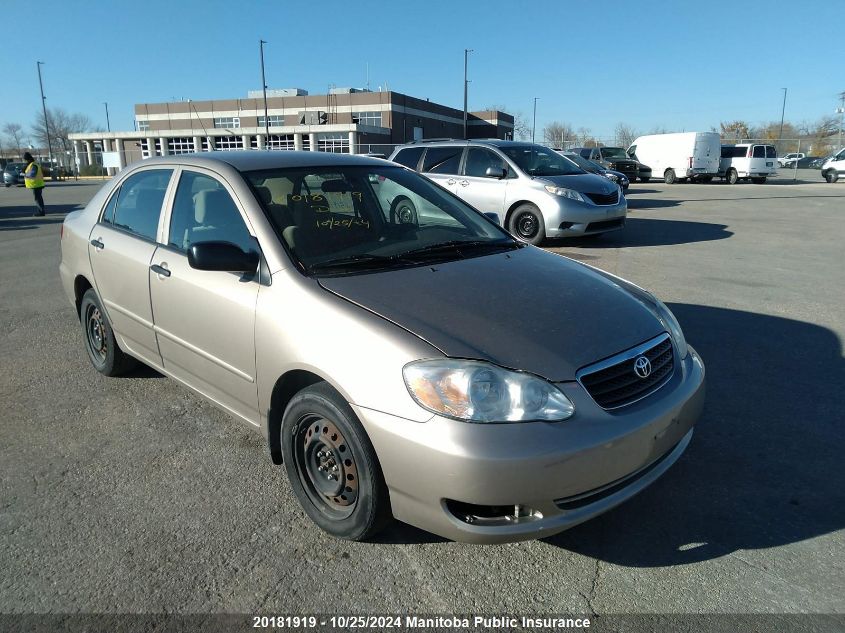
(496, 172)
(493, 217)
(222, 256)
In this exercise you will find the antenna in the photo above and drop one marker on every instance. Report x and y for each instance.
(368, 76)
(202, 125)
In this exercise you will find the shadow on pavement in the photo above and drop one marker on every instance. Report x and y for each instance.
(650, 232)
(764, 468)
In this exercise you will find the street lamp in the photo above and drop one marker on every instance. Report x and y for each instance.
(44, 107)
(467, 51)
(782, 110)
(534, 125)
(261, 44)
(108, 124)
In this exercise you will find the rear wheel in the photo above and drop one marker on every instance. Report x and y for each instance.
(669, 176)
(731, 176)
(332, 466)
(759, 181)
(403, 211)
(831, 176)
(527, 224)
(100, 343)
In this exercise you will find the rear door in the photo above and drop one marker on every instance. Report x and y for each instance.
(205, 320)
(442, 164)
(476, 188)
(762, 160)
(121, 247)
(706, 154)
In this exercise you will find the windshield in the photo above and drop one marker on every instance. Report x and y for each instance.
(353, 219)
(613, 152)
(582, 162)
(536, 160)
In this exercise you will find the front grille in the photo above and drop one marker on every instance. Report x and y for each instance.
(605, 225)
(614, 383)
(604, 198)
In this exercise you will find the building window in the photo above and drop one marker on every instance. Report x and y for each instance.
(143, 126)
(184, 145)
(145, 148)
(227, 122)
(367, 118)
(280, 141)
(337, 143)
(229, 142)
(276, 120)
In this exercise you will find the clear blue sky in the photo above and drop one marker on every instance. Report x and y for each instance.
(679, 65)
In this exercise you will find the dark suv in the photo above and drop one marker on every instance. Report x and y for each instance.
(615, 158)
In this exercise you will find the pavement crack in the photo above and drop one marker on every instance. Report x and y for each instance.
(593, 588)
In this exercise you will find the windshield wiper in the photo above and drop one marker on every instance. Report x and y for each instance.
(363, 260)
(458, 245)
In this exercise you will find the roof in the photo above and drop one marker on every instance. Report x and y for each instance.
(265, 159)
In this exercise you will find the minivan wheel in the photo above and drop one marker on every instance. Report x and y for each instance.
(669, 176)
(100, 343)
(831, 176)
(332, 466)
(527, 224)
(731, 177)
(403, 211)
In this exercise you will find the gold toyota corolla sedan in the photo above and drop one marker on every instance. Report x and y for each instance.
(402, 354)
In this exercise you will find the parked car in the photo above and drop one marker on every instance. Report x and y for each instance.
(594, 168)
(445, 374)
(834, 167)
(679, 156)
(790, 159)
(535, 192)
(615, 158)
(13, 174)
(747, 161)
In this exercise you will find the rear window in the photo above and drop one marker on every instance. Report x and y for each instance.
(442, 160)
(771, 152)
(759, 151)
(732, 151)
(409, 157)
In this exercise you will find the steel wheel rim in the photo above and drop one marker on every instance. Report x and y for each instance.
(96, 330)
(527, 225)
(405, 214)
(327, 466)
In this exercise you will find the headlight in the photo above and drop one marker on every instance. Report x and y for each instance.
(476, 391)
(612, 177)
(565, 193)
(671, 324)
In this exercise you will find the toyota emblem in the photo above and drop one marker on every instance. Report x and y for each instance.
(642, 367)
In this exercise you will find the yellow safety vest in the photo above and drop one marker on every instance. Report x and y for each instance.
(38, 181)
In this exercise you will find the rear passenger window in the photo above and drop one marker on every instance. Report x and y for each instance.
(771, 152)
(409, 157)
(759, 151)
(442, 160)
(138, 204)
(203, 211)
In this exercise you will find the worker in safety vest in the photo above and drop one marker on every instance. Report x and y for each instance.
(34, 179)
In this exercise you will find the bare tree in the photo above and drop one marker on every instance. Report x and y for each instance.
(625, 134)
(558, 134)
(14, 135)
(521, 129)
(734, 130)
(62, 125)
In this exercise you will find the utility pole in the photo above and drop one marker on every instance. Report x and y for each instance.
(841, 111)
(264, 88)
(467, 51)
(534, 125)
(47, 125)
(108, 124)
(782, 111)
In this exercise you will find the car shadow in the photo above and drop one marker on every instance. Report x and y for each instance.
(399, 533)
(764, 466)
(633, 189)
(649, 232)
(652, 203)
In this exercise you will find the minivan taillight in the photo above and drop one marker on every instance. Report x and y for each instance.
(749, 152)
(690, 162)
(62, 231)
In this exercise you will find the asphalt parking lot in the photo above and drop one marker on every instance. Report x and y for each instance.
(132, 495)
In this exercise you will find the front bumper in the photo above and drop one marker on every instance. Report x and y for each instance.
(571, 218)
(564, 473)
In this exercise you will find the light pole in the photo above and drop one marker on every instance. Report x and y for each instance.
(44, 107)
(467, 51)
(261, 44)
(108, 124)
(841, 111)
(534, 125)
(782, 110)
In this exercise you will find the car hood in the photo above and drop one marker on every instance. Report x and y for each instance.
(591, 183)
(526, 309)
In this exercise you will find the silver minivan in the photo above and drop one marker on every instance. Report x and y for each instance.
(534, 191)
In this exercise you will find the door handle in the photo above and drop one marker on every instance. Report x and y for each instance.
(97, 244)
(464, 183)
(160, 270)
(451, 181)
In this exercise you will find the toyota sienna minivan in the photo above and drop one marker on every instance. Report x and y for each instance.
(535, 192)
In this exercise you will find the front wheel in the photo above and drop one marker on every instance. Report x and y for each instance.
(100, 343)
(759, 181)
(332, 466)
(831, 176)
(403, 211)
(669, 176)
(527, 224)
(731, 177)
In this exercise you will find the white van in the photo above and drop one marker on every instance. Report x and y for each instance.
(679, 156)
(834, 167)
(756, 161)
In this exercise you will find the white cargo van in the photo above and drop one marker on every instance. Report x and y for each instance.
(834, 167)
(756, 161)
(679, 156)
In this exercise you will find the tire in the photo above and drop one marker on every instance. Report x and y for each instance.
(645, 178)
(526, 223)
(731, 176)
(403, 211)
(669, 176)
(318, 427)
(100, 343)
(759, 181)
(831, 175)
